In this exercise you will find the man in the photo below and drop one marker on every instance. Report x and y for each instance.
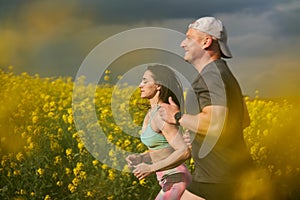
(218, 149)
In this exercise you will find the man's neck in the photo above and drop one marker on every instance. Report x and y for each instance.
(201, 63)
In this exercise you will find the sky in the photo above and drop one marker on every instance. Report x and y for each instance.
(52, 38)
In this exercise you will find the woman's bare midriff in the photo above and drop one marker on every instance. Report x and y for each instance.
(160, 154)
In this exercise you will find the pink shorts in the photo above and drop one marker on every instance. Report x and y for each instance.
(174, 175)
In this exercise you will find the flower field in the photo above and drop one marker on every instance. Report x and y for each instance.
(44, 155)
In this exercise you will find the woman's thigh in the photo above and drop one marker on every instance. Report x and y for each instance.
(190, 196)
(171, 191)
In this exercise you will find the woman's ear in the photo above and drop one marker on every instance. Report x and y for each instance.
(158, 87)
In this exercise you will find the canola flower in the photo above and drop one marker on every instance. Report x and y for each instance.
(39, 143)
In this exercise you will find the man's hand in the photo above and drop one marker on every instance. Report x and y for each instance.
(168, 111)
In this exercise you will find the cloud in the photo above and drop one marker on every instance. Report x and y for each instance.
(286, 17)
(265, 46)
(135, 11)
(53, 37)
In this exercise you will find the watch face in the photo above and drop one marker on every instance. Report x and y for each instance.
(177, 118)
(178, 115)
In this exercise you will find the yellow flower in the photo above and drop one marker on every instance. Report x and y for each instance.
(134, 182)
(126, 143)
(68, 171)
(40, 171)
(75, 181)
(104, 167)
(111, 153)
(143, 182)
(140, 146)
(54, 175)
(70, 112)
(76, 171)
(89, 194)
(20, 157)
(79, 165)
(110, 138)
(72, 188)
(64, 117)
(29, 139)
(47, 97)
(22, 191)
(69, 153)
(106, 78)
(70, 119)
(80, 146)
(35, 119)
(82, 175)
(52, 105)
(24, 135)
(60, 132)
(3, 161)
(54, 145)
(59, 183)
(3, 139)
(111, 174)
(57, 160)
(13, 164)
(51, 114)
(95, 162)
(47, 197)
(17, 172)
(78, 168)
(31, 146)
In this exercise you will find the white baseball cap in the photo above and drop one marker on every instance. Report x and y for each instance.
(215, 28)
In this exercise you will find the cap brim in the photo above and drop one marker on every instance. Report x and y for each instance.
(224, 50)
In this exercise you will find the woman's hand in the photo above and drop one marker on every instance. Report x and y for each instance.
(133, 160)
(187, 138)
(142, 170)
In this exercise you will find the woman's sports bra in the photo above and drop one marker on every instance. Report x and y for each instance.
(152, 139)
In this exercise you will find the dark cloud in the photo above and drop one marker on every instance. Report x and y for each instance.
(119, 11)
(53, 37)
(286, 18)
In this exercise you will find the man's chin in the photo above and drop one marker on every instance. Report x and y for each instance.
(186, 59)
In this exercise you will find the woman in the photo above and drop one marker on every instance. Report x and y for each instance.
(167, 149)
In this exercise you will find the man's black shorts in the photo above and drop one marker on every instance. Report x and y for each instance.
(213, 191)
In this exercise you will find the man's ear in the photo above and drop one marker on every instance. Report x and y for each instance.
(207, 41)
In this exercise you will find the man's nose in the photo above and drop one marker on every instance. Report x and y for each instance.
(182, 44)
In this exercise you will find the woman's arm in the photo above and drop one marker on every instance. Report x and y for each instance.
(146, 157)
(181, 150)
(135, 159)
(179, 155)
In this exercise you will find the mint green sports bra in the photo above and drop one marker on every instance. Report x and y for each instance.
(152, 139)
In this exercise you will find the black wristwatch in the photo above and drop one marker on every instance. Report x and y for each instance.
(177, 117)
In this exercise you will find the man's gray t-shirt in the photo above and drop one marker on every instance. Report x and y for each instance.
(216, 85)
